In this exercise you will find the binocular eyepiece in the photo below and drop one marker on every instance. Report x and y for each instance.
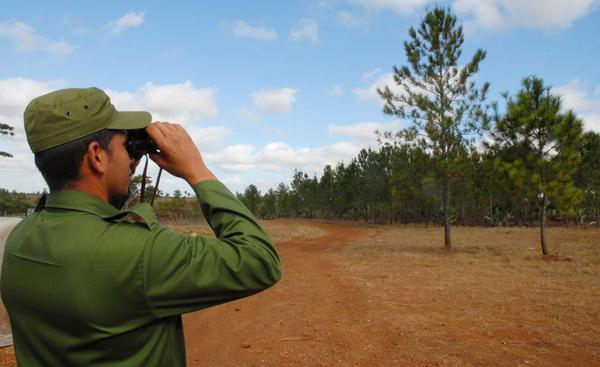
(139, 144)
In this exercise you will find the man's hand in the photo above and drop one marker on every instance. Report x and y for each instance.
(178, 153)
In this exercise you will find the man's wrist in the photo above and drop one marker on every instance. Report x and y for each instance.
(197, 178)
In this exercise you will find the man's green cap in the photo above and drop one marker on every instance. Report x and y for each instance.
(64, 115)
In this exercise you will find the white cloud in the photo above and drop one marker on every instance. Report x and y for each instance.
(364, 131)
(281, 158)
(58, 48)
(350, 20)
(586, 105)
(130, 20)
(398, 6)
(241, 29)
(376, 81)
(480, 14)
(181, 103)
(238, 164)
(22, 35)
(25, 39)
(540, 14)
(591, 121)
(77, 26)
(274, 100)
(370, 74)
(210, 138)
(172, 102)
(369, 93)
(490, 15)
(19, 172)
(575, 96)
(234, 182)
(16, 93)
(306, 29)
(278, 157)
(270, 131)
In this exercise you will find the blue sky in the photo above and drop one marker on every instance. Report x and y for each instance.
(265, 87)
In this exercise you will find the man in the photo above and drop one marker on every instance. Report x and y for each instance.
(86, 284)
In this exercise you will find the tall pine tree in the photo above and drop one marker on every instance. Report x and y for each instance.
(439, 96)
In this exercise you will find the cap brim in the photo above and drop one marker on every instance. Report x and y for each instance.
(129, 120)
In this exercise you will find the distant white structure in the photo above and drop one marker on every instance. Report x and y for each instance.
(6, 225)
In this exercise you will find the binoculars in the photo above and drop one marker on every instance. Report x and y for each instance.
(139, 144)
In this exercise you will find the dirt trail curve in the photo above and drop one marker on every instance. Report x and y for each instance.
(312, 317)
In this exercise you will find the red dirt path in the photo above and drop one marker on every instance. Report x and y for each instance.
(312, 317)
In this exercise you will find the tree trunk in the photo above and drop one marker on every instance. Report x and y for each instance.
(492, 219)
(597, 210)
(459, 209)
(447, 240)
(543, 225)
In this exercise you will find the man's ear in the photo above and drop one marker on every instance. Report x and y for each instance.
(96, 158)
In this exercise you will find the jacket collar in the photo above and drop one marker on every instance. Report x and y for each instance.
(80, 201)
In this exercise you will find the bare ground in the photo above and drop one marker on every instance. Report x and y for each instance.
(391, 296)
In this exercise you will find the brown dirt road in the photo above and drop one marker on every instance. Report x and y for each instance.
(312, 317)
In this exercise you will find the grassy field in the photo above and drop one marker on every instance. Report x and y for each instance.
(494, 300)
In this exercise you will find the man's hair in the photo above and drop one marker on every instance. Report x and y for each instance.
(61, 165)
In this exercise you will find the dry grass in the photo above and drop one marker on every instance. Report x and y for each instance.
(279, 230)
(493, 299)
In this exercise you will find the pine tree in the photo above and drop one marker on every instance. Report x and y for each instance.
(588, 176)
(439, 96)
(6, 129)
(251, 198)
(545, 147)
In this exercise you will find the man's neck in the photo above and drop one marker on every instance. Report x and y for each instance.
(92, 187)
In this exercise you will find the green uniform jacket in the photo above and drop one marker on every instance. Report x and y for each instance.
(87, 285)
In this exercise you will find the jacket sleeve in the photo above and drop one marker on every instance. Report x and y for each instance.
(185, 273)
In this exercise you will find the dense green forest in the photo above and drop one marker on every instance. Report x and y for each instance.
(16, 203)
(400, 183)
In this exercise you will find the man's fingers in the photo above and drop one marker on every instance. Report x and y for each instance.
(156, 158)
(178, 153)
(155, 131)
(164, 134)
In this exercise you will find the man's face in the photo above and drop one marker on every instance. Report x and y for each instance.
(120, 169)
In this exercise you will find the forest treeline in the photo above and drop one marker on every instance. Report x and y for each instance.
(401, 183)
(16, 203)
